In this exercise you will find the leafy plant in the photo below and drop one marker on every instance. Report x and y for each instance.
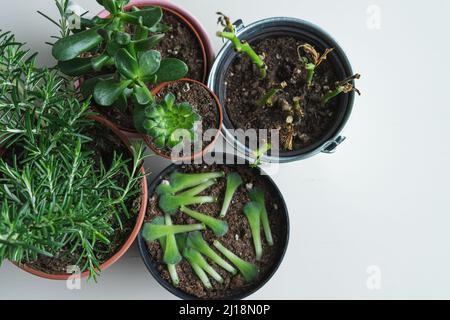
(312, 60)
(247, 269)
(170, 203)
(343, 86)
(198, 263)
(257, 195)
(234, 180)
(157, 229)
(59, 197)
(179, 181)
(219, 227)
(196, 241)
(259, 153)
(169, 122)
(252, 211)
(240, 45)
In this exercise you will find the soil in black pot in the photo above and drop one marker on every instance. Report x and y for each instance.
(201, 102)
(181, 43)
(238, 238)
(244, 88)
(104, 143)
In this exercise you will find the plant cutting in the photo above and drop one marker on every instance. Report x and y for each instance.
(306, 91)
(208, 253)
(73, 189)
(257, 195)
(252, 211)
(234, 180)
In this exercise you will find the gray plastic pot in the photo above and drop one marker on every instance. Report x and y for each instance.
(302, 30)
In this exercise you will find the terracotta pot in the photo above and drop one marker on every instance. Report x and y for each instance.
(197, 155)
(191, 22)
(136, 229)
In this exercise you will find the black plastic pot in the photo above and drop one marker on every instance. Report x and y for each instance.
(152, 265)
(302, 30)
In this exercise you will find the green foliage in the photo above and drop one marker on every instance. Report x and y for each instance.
(179, 181)
(248, 270)
(169, 123)
(197, 261)
(219, 227)
(170, 203)
(252, 211)
(257, 195)
(59, 198)
(157, 229)
(234, 180)
(196, 241)
(123, 41)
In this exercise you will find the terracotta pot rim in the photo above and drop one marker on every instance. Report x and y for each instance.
(137, 227)
(197, 155)
(186, 17)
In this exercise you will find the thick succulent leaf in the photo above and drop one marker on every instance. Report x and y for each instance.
(87, 87)
(150, 16)
(148, 43)
(122, 38)
(70, 47)
(160, 141)
(169, 99)
(171, 69)
(100, 61)
(107, 92)
(149, 63)
(160, 28)
(142, 95)
(110, 5)
(75, 67)
(126, 64)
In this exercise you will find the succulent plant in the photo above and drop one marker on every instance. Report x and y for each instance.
(169, 122)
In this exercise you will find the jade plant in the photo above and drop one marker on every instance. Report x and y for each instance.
(117, 60)
(59, 198)
(240, 45)
(234, 180)
(195, 240)
(248, 270)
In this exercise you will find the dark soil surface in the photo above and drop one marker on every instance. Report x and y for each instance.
(244, 88)
(180, 43)
(202, 103)
(238, 239)
(105, 143)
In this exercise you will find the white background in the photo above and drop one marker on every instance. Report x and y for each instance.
(382, 199)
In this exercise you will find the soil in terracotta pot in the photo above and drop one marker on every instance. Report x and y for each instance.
(238, 238)
(244, 88)
(104, 144)
(181, 43)
(201, 102)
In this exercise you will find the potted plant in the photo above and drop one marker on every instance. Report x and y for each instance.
(73, 190)
(214, 231)
(127, 48)
(284, 74)
(118, 59)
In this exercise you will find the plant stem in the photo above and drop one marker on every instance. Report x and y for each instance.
(267, 99)
(243, 46)
(311, 69)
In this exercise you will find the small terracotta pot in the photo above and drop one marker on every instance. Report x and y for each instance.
(136, 229)
(192, 22)
(197, 155)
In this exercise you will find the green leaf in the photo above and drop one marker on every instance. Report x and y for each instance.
(150, 16)
(87, 87)
(122, 38)
(107, 92)
(160, 28)
(126, 64)
(72, 46)
(100, 61)
(170, 100)
(149, 63)
(110, 5)
(142, 95)
(149, 43)
(139, 118)
(171, 69)
(75, 67)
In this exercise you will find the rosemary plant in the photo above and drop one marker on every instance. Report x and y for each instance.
(59, 197)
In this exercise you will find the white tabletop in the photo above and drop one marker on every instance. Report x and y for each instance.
(378, 208)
